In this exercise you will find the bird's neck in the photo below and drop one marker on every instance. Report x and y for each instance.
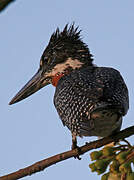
(56, 78)
(64, 68)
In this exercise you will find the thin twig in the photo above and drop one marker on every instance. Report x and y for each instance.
(127, 142)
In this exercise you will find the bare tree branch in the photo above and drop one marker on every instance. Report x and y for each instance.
(4, 4)
(41, 165)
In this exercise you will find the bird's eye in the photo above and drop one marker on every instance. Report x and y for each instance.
(44, 60)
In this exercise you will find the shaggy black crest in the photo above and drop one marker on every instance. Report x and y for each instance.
(68, 43)
(68, 35)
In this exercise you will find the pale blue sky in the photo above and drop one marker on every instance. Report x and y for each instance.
(31, 130)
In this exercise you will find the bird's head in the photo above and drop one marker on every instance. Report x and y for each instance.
(65, 52)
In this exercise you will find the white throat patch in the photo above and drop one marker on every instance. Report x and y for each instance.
(60, 68)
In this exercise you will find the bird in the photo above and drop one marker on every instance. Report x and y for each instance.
(90, 100)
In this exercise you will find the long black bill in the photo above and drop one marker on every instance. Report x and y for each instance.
(37, 82)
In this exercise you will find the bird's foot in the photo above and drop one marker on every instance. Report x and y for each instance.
(74, 146)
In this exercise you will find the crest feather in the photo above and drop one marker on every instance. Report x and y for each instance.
(69, 33)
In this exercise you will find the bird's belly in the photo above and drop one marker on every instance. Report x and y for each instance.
(82, 120)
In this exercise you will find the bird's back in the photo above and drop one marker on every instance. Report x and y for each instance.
(92, 100)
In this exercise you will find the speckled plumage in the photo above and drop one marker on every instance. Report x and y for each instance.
(89, 91)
